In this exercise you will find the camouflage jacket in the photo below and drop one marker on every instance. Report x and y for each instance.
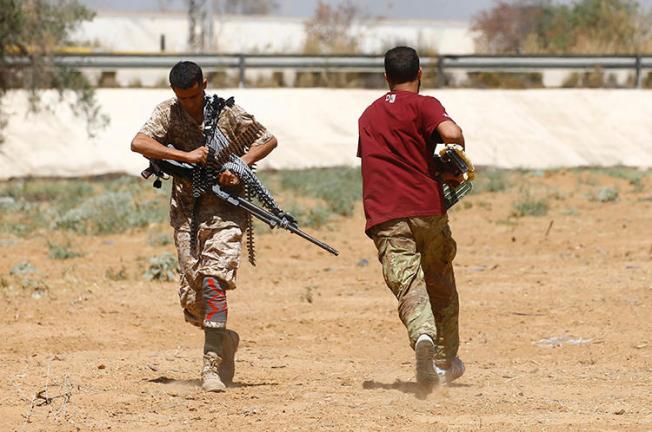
(170, 124)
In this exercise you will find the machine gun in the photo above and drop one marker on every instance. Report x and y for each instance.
(164, 168)
(223, 155)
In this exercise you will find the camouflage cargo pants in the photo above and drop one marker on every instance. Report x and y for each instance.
(416, 255)
(218, 255)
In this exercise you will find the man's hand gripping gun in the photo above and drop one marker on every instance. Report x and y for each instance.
(455, 173)
(165, 168)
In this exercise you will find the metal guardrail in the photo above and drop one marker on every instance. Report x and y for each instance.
(358, 63)
(539, 62)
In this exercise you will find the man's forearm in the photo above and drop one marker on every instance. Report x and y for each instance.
(458, 139)
(150, 148)
(258, 152)
(450, 133)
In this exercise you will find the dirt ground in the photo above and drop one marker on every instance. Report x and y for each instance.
(556, 328)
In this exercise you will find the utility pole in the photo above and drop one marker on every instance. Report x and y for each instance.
(210, 30)
(200, 25)
(192, 24)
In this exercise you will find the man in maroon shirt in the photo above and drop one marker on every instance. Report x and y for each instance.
(406, 217)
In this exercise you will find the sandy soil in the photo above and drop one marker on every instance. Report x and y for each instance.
(322, 347)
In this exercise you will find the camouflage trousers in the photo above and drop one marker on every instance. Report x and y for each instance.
(416, 254)
(217, 255)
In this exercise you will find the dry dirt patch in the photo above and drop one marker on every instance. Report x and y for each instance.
(555, 326)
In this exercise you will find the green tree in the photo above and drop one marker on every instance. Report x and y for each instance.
(31, 33)
(605, 26)
(329, 31)
(582, 27)
(504, 28)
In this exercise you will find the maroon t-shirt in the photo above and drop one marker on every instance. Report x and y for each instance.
(396, 145)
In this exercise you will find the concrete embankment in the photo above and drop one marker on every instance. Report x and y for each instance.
(318, 127)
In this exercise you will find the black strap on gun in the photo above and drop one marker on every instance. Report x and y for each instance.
(164, 168)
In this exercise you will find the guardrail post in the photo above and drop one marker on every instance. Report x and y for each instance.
(441, 78)
(638, 76)
(241, 67)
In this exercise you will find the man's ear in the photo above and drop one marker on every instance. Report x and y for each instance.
(419, 74)
(204, 84)
(389, 83)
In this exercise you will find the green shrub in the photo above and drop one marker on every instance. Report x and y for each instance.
(116, 275)
(633, 176)
(339, 188)
(62, 251)
(492, 180)
(63, 192)
(159, 239)
(112, 212)
(22, 268)
(505, 80)
(9, 203)
(316, 217)
(604, 195)
(529, 206)
(163, 267)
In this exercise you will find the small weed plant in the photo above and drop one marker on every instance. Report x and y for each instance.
(527, 205)
(62, 251)
(162, 268)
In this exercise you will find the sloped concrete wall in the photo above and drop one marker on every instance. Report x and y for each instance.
(318, 127)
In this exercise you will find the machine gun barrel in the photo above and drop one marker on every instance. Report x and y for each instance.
(269, 218)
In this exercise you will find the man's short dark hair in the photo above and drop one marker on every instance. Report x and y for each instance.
(401, 65)
(185, 74)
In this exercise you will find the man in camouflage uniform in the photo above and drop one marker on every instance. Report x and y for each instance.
(210, 269)
(406, 216)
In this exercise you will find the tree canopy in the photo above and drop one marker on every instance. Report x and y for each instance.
(31, 33)
(581, 27)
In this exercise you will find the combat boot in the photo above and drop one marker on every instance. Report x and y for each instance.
(424, 351)
(229, 348)
(210, 373)
(456, 370)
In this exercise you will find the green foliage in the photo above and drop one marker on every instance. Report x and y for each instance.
(492, 180)
(339, 188)
(116, 275)
(584, 26)
(8, 204)
(22, 268)
(81, 205)
(112, 212)
(62, 251)
(313, 217)
(35, 30)
(634, 176)
(604, 195)
(526, 205)
(159, 239)
(163, 267)
(329, 31)
(64, 192)
(507, 80)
